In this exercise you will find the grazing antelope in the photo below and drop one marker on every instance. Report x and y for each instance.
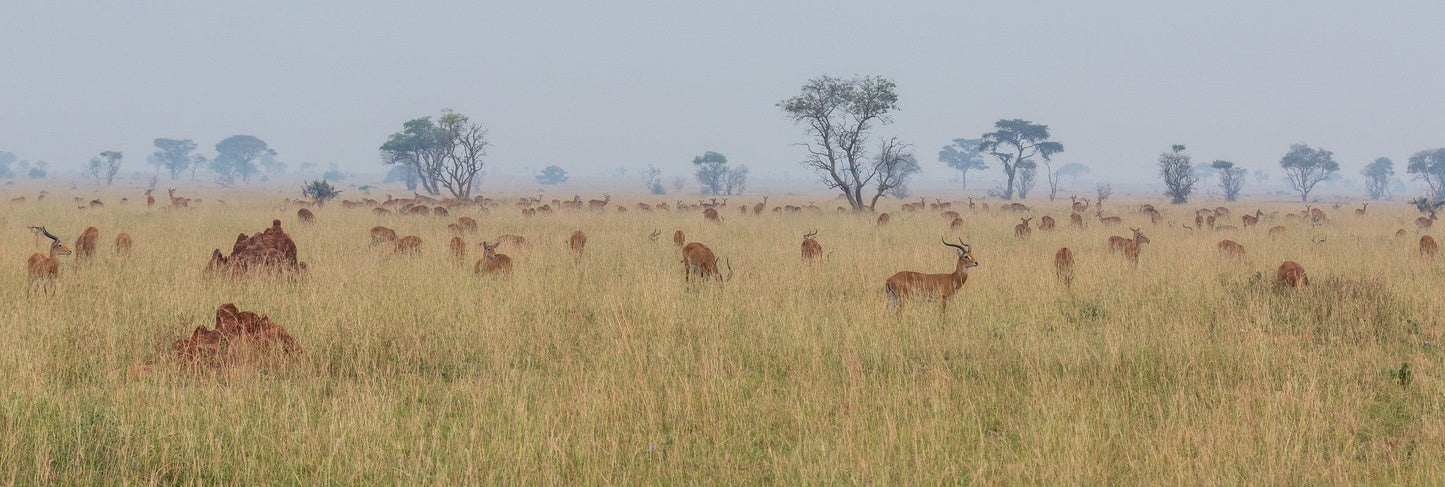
(122, 243)
(678, 238)
(950, 215)
(1276, 230)
(440, 211)
(379, 211)
(1251, 220)
(697, 258)
(578, 242)
(1064, 266)
(710, 214)
(454, 229)
(85, 245)
(1318, 216)
(410, 244)
(467, 223)
(96, 204)
(653, 237)
(1230, 248)
(380, 235)
(883, 220)
(1022, 230)
(1076, 219)
(956, 224)
(493, 263)
(305, 216)
(1292, 274)
(811, 249)
(1428, 246)
(1361, 211)
(459, 249)
(150, 200)
(904, 284)
(1046, 223)
(1400, 233)
(44, 269)
(758, 208)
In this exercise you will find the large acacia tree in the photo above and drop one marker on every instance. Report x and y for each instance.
(1016, 142)
(1305, 167)
(963, 155)
(443, 154)
(1428, 166)
(839, 114)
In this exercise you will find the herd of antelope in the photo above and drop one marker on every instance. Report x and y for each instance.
(699, 260)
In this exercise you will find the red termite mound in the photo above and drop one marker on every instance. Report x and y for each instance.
(239, 337)
(270, 250)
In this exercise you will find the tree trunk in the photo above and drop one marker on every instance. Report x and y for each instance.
(1008, 191)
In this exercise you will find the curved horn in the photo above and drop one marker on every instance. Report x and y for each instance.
(47, 233)
(945, 242)
(966, 247)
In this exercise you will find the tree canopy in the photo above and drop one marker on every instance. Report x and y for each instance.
(1428, 166)
(963, 155)
(1305, 167)
(839, 114)
(1015, 142)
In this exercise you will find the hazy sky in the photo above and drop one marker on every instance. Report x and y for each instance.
(591, 86)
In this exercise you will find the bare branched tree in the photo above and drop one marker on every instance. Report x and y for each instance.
(1231, 179)
(105, 166)
(463, 144)
(1053, 176)
(652, 180)
(1178, 175)
(839, 114)
(891, 169)
(1103, 191)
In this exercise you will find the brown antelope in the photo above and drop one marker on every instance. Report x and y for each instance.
(454, 229)
(950, 215)
(1109, 220)
(697, 258)
(85, 245)
(1276, 230)
(1292, 274)
(1129, 246)
(150, 200)
(956, 225)
(1361, 211)
(379, 211)
(410, 244)
(1400, 233)
(811, 249)
(1423, 222)
(600, 204)
(758, 208)
(305, 216)
(1076, 219)
(1251, 220)
(883, 220)
(678, 238)
(1046, 223)
(577, 242)
(178, 202)
(517, 241)
(380, 235)
(459, 249)
(18, 199)
(467, 223)
(644, 207)
(440, 211)
(1064, 266)
(711, 215)
(1230, 248)
(1428, 246)
(1022, 230)
(1318, 216)
(122, 243)
(493, 263)
(44, 269)
(902, 285)
(970, 203)
(96, 204)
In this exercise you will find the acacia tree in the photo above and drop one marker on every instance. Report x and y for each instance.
(1428, 166)
(963, 155)
(1377, 177)
(712, 170)
(1178, 175)
(1015, 143)
(552, 175)
(105, 166)
(419, 147)
(1305, 167)
(176, 155)
(1073, 170)
(737, 180)
(1231, 179)
(839, 114)
(236, 156)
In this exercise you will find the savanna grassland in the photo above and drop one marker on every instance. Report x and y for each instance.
(1188, 368)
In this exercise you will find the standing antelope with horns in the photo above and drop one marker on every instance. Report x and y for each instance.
(811, 249)
(44, 269)
(941, 286)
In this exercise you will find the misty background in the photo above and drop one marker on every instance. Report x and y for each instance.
(592, 87)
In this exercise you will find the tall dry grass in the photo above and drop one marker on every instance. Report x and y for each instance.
(1187, 369)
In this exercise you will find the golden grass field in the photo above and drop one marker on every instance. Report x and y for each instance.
(1187, 369)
